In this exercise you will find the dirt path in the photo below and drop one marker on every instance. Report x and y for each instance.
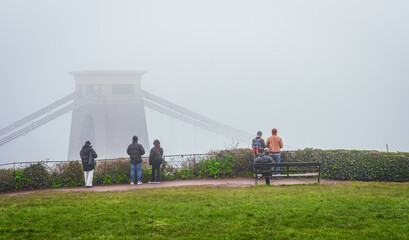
(226, 182)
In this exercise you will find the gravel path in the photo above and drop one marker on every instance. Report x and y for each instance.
(225, 182)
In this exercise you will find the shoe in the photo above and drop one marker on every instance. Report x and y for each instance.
(139, 183)
(88, 186)
(151, 182)
(157, 182)
(132, 183)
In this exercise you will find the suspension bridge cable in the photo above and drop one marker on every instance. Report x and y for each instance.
(192, 121)
(194, 115)
(45, 120)
(38, 113)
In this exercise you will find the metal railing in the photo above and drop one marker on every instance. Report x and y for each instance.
(175, 161)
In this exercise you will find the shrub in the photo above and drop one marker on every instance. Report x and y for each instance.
(38, 176)
(67, 175)
(216, 168)
(356, 165)
(6, 180)
(20, 180)
(106, 179)
(120, 178)
(184, 173)
(146, 174)
(242, 160)
(335, 164)
(113, 167)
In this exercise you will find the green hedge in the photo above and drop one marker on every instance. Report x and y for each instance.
(356, 165)
(336, 164)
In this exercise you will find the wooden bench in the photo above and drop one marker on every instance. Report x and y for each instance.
(288, 169)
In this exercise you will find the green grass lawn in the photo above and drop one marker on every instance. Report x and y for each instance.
(354, 210)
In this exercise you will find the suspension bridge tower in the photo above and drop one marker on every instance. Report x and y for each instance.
(112, 115)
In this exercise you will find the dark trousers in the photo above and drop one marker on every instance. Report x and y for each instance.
(267, 177)
(157, 169)
(267, 180)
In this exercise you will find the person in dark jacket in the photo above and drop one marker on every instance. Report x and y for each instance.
(264, 159)
(135, 151)
(88, 156)
(156, 159)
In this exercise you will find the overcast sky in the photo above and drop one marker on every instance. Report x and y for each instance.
(326, 74)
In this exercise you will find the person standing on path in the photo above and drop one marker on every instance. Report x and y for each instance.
(257, 143)
(274, 144)
(135, 151)
(156, 159)
(88, 156)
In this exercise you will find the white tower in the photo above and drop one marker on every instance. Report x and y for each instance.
(113, 114)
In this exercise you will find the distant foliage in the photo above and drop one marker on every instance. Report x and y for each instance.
(67, 175)
(37, 176)
(356, 165)
(241, 159)
(6, 180)
(216, 167)
(21, 181)
(336, 164)
(184, 173)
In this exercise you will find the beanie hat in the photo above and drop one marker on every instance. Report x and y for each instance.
(259, 133)
(135, 138)
(274, 130)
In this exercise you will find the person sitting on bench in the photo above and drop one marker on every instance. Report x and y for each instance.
(264, 159)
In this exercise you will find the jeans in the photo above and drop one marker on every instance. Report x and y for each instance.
(277, 158)
(138, 171)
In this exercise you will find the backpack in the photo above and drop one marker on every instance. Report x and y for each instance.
(256, 145)
(157, 159)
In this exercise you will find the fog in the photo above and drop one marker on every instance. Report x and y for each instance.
(326, 74)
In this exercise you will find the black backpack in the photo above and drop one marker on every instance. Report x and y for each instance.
(157, 159)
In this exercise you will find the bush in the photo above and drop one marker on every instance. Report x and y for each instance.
(106, 179)
(335, 164)
(20, 180)
(356, 165)
(38, 176)
(6, 180)
(68, 175)
(216, 168)
(121, 178)
(184, 173)
(242, 160)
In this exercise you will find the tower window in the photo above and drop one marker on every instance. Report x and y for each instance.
(123, 89)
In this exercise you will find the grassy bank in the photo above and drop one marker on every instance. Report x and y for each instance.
(354, 210)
